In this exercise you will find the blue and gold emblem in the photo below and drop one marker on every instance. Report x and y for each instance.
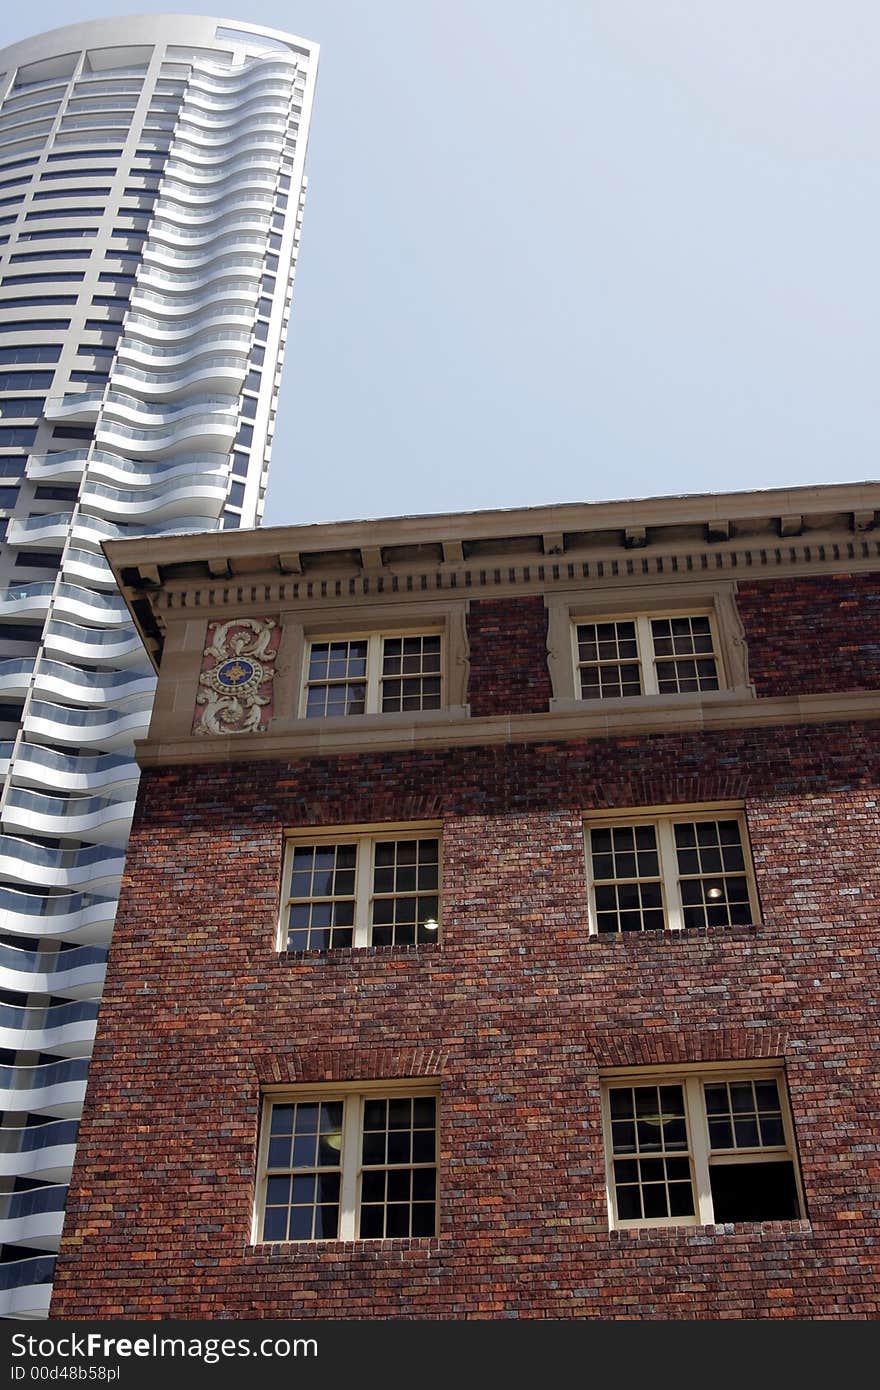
(235, 673)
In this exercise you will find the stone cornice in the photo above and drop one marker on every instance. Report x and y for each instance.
(812, 530)
(729, 709)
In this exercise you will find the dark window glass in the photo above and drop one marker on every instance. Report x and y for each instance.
(75, 174)
(73, 432)
(24, 381)
(73, 253)
(249, 406)
(264, 307)
(100, 192)
(44, 214)
(41, 277)
(240, 465)
(21, 435)
(92, 378)
(12, 465)
(104, 325)
(21, 406)
(48, 493)
(21, 632)
(36, 352)
(82, 154)
(754, 1192)
(108, 299)
(34, 300)
(12, 326)
(245, 434)
(8, 496)
(57, 234)
(236, 494)
(38, 559)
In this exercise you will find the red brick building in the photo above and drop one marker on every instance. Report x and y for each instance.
(500, 929)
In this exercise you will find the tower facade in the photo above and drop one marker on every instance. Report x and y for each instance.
(151, 191)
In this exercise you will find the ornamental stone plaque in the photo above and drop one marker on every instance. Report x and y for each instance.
(235, 694)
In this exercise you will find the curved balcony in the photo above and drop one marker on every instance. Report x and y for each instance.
(109, 729)
(212, 161)
(166, 502)
(27, 600)
(84, 564)
(26, 1287)
(64, 467)
(207, 156)
(171, 332)
(226, 369)
(129, 689)
(97, 646)
(146, 473)
(37, 765)
(77, 972)
(92, 867)
(77, 405)
(97, 608)
(225, 225)
(175, 190)
(86, 916)
(202, 216)
(34, 1217)
(176, 281)
(255, 70)
(47, 532)
(55, 1088)
(278, 88)
(214, 249)
(200, 430)
(239, 291)
(39, 1151)
(194, 135)
(15, 675)
(68, 1029)
(211, 343)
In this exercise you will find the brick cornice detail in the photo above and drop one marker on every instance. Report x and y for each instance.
(667, 1047)
(348, 1064)
(360, 809)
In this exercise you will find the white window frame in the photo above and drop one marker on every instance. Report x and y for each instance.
(373, 693)
(692, 1079)
(647, 657)
(640, 604)
(664, 818)
(364, 838)
(353, 1096)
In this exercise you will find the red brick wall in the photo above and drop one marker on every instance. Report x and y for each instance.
(810, 635)
(508, 642)
(515, 1010)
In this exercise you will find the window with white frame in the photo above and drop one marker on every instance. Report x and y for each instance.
(687, 870)
(348, 1165)
(375, 673)
(361, 889)
(646, 654)
(700, 1147)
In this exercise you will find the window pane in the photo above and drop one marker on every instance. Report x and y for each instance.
(754, 1191)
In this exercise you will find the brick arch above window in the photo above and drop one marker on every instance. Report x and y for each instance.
(349, 1064)
(673, 1047)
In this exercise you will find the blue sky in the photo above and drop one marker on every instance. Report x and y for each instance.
(576, 250)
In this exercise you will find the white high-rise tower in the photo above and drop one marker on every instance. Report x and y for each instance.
(151, 191)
